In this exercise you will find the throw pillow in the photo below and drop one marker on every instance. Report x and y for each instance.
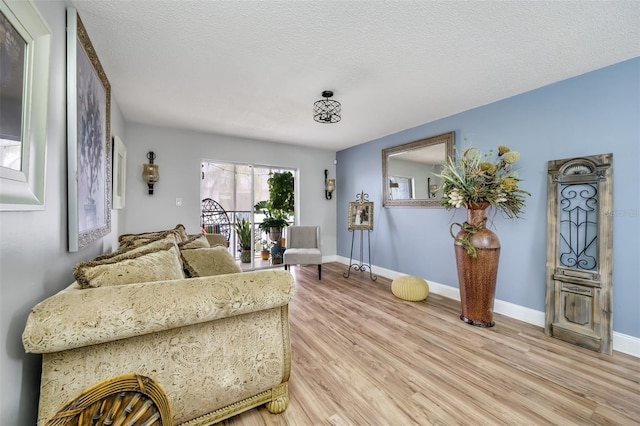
(217, 240)
(181, 231)
(139, 245)
(144, 266)
(128, 241)
(195, 241)
(204, 262)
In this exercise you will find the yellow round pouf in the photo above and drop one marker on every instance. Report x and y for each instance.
(411, 288)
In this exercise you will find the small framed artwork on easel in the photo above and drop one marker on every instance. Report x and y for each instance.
(361, 215)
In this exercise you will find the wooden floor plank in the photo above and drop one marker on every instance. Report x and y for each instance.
(361, 356)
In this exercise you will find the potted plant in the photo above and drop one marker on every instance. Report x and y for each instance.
(274, 221)
(478, 182)
(276, 257)
(264, 250)
(281, 194)
(279, 205)
(243, 231)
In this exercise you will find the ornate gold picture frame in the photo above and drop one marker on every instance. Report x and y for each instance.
(361, 215)
(88, 139)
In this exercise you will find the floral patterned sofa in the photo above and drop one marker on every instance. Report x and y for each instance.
(168, 307)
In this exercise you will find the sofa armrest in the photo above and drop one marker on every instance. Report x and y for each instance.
(77, 317)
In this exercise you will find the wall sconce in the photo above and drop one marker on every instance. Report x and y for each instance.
(150, 172)
(433, 189)
(329, 185)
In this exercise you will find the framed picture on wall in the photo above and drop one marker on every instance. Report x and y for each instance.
(119, 173)
(361, 215)
(88, 139)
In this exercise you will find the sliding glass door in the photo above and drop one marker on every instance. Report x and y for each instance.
(228, 193)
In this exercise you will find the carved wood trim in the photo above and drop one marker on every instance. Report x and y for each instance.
(579, 301)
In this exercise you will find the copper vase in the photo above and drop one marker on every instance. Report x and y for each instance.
(477, 275)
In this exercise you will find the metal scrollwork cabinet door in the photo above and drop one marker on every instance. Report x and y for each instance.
(579, 298)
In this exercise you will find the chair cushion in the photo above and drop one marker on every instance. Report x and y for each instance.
(302, 256)
(302, 236)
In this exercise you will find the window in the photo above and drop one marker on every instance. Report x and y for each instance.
(24, 57)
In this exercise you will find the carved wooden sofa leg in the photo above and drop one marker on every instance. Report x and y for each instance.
(279, 399)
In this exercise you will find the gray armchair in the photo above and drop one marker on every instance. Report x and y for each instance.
(303, 247)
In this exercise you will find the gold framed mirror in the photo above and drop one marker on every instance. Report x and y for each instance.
(409, 172)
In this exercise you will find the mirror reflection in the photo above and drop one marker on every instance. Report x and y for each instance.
(409, 171)
(13, 50)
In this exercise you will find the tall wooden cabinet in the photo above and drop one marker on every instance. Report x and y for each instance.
(579, 299)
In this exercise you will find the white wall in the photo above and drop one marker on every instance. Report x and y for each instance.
(179, 154)
(34, 261)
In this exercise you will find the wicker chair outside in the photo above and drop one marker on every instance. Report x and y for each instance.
(214, 214)
(124, 400)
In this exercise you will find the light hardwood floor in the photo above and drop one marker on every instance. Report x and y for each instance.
(363, 357)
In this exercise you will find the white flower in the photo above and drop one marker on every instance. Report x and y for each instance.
(511, 157)
(455, 199)
(501, 197)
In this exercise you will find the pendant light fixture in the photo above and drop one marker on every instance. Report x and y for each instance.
(326, 110)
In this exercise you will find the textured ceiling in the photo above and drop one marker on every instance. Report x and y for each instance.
(254, 69)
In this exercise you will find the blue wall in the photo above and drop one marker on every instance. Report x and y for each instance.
(594, 113)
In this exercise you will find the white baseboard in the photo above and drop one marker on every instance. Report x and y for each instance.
(621, 342)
